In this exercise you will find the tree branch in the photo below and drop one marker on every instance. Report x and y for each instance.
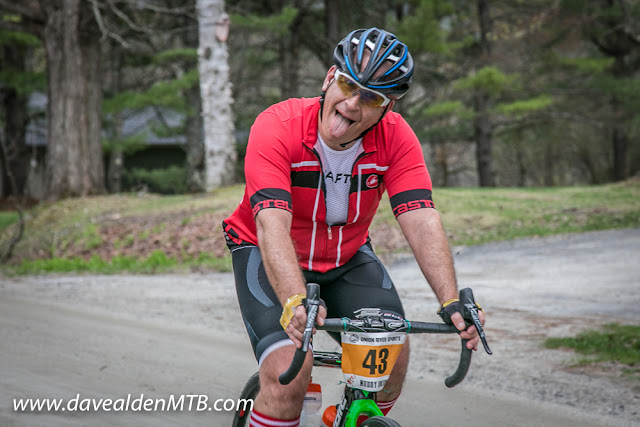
(28, 8)
(628, 20)
(103, 29)
(127, 20)
(187, 11)
(502, 126)
(32, 23)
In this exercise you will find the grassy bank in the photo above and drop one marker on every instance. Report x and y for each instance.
(7, 218)
(474, 216)
(150, 233)
(614, 343)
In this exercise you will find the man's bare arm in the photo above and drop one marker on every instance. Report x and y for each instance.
(278, 253)
(281, 265)
(424, 231)
(426, 236)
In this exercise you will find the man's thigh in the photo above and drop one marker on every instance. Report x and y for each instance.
(258, 302)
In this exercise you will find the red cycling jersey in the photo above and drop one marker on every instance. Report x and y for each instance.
(283, 171)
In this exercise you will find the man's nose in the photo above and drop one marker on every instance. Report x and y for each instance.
(353, 100)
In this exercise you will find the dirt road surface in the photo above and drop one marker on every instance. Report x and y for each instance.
(109, 337)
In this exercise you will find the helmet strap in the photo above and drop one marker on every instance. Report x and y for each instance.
(324, 92)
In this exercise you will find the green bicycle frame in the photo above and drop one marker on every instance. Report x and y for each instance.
(358, 407)
(351, 407)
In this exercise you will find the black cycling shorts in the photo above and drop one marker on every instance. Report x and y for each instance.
(362, 282)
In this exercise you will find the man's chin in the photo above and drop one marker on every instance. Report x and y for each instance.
(338, 142)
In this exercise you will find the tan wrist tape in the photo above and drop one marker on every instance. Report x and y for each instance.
(287, 310)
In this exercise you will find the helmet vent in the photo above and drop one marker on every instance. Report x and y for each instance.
(388, 66)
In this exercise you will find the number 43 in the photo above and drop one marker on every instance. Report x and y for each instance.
(370, 362)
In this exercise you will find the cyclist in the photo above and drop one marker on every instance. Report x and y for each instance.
(316, 170)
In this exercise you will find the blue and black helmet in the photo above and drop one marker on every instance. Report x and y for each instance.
(349, 56)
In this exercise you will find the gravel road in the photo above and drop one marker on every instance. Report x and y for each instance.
(107, 337)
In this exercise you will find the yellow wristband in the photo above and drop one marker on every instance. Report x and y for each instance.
(451, 301)
(287, 311)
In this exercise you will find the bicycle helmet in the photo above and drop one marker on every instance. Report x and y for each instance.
(384, 46)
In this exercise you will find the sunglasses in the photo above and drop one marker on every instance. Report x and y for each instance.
(368, 97)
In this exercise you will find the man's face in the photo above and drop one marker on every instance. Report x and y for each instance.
(344, 117)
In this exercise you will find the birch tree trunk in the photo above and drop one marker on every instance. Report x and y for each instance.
(215, 89)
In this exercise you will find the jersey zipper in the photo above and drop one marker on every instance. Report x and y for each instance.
(324, 194)
(356, 176)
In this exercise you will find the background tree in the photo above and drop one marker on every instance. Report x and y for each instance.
(68, 31)
(482, 100)
(154, 66)
(215, 89)
(549, 88)
(19, 78)
(589, 57)
(613, 26)
(475, 88)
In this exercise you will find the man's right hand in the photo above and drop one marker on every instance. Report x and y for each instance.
(451, 314)
(295, 328)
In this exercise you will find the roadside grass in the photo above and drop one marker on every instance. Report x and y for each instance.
(157, 262)
(7, 218)
(615, 343)
(128, 232)
(75, 235)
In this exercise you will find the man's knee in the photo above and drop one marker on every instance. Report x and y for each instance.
(402, 363)
(393, 387)
(275, 364)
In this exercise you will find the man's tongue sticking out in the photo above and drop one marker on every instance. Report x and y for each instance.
(339, 125)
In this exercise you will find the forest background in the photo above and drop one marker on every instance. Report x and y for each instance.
(507, 93)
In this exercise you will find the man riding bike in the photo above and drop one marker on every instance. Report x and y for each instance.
(316, 170)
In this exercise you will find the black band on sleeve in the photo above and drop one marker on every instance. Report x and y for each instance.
(410, 200)
(270, 198)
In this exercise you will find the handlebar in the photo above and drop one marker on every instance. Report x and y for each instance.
(312, 302)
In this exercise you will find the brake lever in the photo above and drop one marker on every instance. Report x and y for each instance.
(312, 306)
(472, 309)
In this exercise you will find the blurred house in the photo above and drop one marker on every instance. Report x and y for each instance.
(156, 150)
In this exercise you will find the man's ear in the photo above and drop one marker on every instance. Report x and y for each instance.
(388, 108)
(329, 78)
(391, 104)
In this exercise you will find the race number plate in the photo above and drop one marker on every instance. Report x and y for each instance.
(368, 358)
